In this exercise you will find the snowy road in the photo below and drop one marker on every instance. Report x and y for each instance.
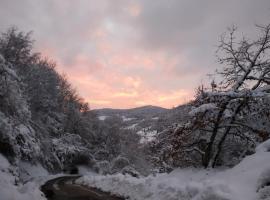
(63, 188)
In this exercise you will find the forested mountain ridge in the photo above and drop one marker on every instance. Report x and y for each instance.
(146, 121)
(144, 110)
(42, 117)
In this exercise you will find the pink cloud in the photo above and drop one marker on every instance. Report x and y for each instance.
(103, 86)
(121, 77)
(134, 9)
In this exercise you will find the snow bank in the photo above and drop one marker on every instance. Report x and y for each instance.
(9, 190)
(264, 147)
(29, 171)
(239, 183)
(184, 184)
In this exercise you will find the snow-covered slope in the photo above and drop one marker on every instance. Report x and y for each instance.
(139, 111)
(249, 180)
(146, 121)
(10, 189)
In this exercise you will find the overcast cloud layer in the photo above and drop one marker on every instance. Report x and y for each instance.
(127, 53)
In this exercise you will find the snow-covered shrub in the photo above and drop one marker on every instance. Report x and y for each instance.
(6, 143)
(102, 167)
(18, 140)
(12, 101)
(264, 147)
(102, 155)
(131, 171)
(70, 149)
(119, 163)
(264, 185)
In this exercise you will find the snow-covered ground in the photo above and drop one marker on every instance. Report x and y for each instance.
(242, 182)
(147, 135)
(33, 177)
(126, 119)
(131, 127)
(102, 117)
(249, 180)
(9, 190)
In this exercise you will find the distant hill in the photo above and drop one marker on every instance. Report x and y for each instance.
(146, 121)
(144, 111)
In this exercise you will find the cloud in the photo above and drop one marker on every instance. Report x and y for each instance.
(126, 53)
(134, 9)
(175, 95)
(126, 94)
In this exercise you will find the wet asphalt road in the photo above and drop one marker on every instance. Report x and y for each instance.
(64, 188)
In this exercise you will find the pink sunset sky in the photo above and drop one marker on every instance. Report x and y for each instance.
(127, 53)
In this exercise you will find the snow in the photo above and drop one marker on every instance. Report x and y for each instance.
(263, 147)
(6, 68)
(202, 108)
(29, 171)
(126, 119)
(238, 183)
(131, 127)
(9, 190)
(147, 135)
(228, 113)
(102, 118)
(4, 164)
(84, 170)
(245, 181)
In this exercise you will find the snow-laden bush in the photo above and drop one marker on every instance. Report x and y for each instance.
(119, 163)
(70, 149)
(18, 140)
(264, 185)
(263, 147)
(102, 155)
(131, 171)
(12, 100)
(102, 167)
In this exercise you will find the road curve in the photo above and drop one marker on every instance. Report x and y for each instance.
(64, 188)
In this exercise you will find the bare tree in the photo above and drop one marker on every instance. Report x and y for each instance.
(247, 70)
(224, 112)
